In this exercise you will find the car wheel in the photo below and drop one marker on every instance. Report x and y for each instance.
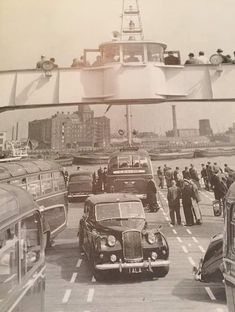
(161, 271)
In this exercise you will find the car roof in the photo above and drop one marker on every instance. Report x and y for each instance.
(21, 168)
(14, 201)
(112, 197)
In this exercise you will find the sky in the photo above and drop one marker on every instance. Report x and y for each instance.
(62, 29)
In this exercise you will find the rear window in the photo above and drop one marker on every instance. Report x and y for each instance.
(79, 178)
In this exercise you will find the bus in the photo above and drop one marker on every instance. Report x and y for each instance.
(22, 257)
(44, 180)
(229, 248)
(129, 171)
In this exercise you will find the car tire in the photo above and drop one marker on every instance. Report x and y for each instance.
(161, 271)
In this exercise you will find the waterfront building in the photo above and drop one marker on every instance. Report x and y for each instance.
(71, 131)
(40, 131)
(101, 131)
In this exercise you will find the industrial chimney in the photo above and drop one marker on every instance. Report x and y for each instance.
(175, 132)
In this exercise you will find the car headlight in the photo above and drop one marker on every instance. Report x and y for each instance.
(151, 238)
(111, 240)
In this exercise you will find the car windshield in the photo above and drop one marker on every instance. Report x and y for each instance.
(124, 210)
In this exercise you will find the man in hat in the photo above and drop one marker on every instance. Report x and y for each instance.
(191, 60)
(220, 52)
(171, 59)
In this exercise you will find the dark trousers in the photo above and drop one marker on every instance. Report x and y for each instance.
(187, 206)
(175, 210)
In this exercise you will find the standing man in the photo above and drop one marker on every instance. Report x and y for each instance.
(194, 175)
(171, 59)
(205, 177)
(186, 174)
(177, 175)
(169, 176)
(186, 195)
(160, 177)
(202, 59)
(173, 197)
(151, 192)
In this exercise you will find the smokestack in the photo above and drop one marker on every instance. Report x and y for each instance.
(17, 131)
(13, 133)
(175, 132)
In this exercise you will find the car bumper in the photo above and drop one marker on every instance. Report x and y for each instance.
(147, 264)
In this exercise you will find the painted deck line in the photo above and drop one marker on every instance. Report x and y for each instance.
(9, 278)
(90, 294)
(79, 263)
(194, 239)
(184, 249)
(167, 219)
(189, 231)
(174, 231)
(190, 259)
(171, 225)
(73, 278)
(202, 249)
(210, 293)
(66, 295)
(179, 239)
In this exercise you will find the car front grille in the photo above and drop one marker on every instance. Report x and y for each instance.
(132, 247)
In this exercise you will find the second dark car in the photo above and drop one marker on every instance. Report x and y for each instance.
(115, 237)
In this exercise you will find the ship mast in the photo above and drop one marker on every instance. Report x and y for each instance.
(131, 29)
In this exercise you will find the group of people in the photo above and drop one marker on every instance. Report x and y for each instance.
(185, 185)
(202, 59)
(99, 180)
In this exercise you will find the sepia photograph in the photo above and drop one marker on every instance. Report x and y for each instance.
(117, 156)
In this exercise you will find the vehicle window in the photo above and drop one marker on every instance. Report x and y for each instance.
(135, 161)
(33, 185)
(58, 180)
(133, 53)
(8, 260)
(143, 162)
(132, 210)
(30, 242)
(119, 210)
(110, 54)
(107, 211)
(46, 183)
(232, 225)
(113, 164)
(79, 178)
(19, 182)
(155, 53)
(125, 161)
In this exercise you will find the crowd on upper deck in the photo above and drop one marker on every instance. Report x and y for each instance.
(172, 58)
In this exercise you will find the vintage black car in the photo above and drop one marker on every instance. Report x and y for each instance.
(115, 237)
(79, 184)
(210, 267)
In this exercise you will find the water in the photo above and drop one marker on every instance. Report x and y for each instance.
(181, 163)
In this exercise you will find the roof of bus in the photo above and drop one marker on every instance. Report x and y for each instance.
(19, 168)
(14, 201)
(140, 152)
(112, 198)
